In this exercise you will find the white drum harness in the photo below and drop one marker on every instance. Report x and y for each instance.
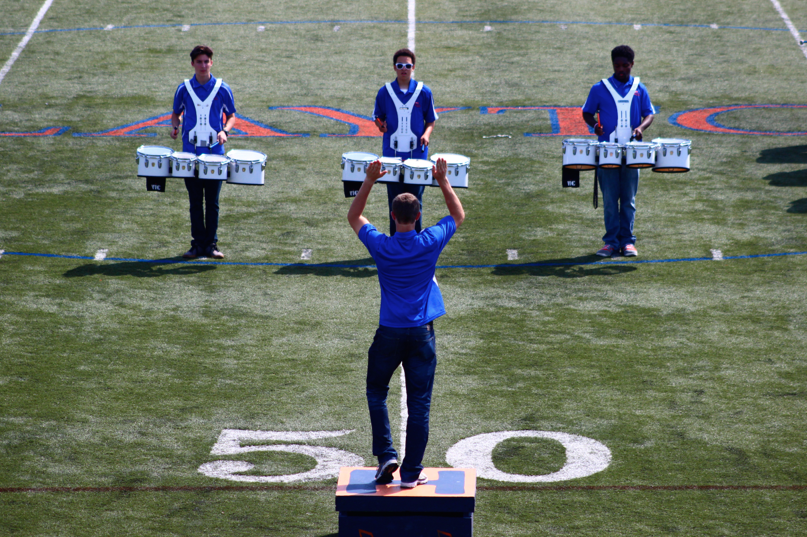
(202, 134)
(623, 132)
(403, 140)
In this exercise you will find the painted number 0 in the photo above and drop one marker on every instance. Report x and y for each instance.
(584, 456)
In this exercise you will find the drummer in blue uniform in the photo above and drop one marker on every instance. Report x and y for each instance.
(625, 112)
(203, 99)
(404, 112)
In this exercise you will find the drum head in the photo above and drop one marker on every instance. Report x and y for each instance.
(418, 164)
(180, 155)
(451, 158)
(391, 160)
(672, 141)
(246, 155)
(359, 156)
(155, 151)
(213, 159)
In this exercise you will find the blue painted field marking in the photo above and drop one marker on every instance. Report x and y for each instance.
(448, 482)
(174, 261)
(281, 23)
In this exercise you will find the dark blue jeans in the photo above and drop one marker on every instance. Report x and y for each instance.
(204, 194)
(415, 349)
(393, 189)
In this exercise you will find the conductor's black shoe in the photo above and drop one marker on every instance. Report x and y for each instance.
(193, 253)
(385, 470)
(213, 251)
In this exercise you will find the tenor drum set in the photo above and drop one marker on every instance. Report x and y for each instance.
(663, 155)
(410, 171)
(237, 167)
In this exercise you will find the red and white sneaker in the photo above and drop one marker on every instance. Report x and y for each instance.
(629, 250)
(607, 251)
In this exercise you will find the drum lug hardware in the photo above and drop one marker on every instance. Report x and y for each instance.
(343, 164)
(574, 150)
(250, 168)
(352, 168)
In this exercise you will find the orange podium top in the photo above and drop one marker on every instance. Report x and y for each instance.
(449, 490)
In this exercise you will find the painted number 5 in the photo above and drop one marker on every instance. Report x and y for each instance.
(230, 441)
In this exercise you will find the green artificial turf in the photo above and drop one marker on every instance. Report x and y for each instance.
(118, 376)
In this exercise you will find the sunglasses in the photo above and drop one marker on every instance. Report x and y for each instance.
(404, 65)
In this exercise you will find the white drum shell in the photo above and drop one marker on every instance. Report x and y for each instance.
(580, 154)
(246, 167)
(393, 167)
(153, 161)
(417, 172)
(640, 154)
(183, 164)
(213, 167)
(610, 155)
(456, 169)
(354, 165)
(673, 155)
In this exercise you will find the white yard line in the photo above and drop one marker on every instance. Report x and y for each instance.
(404, 417)
(34, 25)
(404, 411)
(411, 32)
(789, 25)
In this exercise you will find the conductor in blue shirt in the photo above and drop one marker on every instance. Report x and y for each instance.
(625, 111)
(404, 112)
(410, 302)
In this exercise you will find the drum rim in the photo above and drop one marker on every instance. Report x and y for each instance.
(180, 155)
(140, 152)
(672, 141)
(428, 164)
(225, 159)
(234, 158)
(465, 159)
(346, 157)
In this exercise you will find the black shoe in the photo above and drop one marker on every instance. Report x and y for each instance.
(385, 470)
(213, 251)
(193, 253)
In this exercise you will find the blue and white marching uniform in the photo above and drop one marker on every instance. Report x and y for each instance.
(210, 111)
(407, 113)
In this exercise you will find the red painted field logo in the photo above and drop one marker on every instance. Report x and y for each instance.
(705, 119)
(565, 120)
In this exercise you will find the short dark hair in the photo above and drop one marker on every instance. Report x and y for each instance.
(622, 51)
(403, 52)
(406, 207)
(201, 49)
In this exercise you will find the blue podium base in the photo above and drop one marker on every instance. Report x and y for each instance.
(443, 507)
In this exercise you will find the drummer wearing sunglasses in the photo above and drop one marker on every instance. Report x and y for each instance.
(404, 112)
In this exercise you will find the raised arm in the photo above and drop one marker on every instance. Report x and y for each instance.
(452, 201)
(355, 215)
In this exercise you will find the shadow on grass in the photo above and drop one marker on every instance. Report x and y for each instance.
(795, 154)
(796, 178)
(798, 206)
(356, 268)
(572, 267)
(139, 269)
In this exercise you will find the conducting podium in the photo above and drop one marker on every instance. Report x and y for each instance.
(443, 507)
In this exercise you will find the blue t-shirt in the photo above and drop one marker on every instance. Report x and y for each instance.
(600, 100)
(406, 263)
(223, 103)
(423, 112)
